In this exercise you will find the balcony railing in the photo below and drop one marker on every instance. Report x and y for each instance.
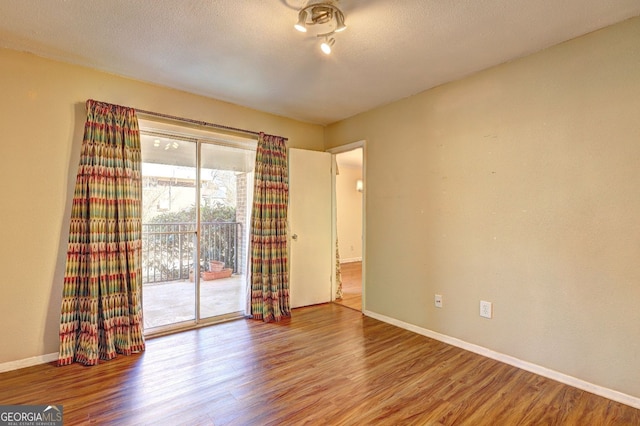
(169, 248)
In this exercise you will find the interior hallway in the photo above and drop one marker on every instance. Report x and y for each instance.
(351, 285)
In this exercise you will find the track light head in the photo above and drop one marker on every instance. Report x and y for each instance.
(340, 25)
(327, 45)
(301, 25)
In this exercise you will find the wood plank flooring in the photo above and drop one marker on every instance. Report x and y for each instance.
(327, 365)
(351, 285)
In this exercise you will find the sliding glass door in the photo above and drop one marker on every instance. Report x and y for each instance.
(196, 200)
(226, 175)
(169, 233)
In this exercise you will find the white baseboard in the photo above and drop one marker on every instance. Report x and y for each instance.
(28, 362)
(350, 259)
(507, 359)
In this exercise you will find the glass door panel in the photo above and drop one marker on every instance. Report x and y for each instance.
(169, 194)
(226, 189)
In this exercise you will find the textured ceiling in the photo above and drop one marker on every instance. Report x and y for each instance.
(247, 52)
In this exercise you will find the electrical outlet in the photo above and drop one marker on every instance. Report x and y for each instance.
(486, 309)
(438, 300)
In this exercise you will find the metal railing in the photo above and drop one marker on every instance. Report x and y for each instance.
(168, 248)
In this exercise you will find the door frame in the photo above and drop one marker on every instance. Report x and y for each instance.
(334, 229)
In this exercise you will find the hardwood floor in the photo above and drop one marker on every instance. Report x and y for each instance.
(327, 365)
(351, 285)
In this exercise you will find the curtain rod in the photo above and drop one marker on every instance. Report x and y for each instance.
(198, 122)
(190, 121)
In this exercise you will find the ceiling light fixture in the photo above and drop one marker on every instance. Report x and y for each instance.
(327, 16)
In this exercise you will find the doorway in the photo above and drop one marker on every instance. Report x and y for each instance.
(349, 224)
(196, 198)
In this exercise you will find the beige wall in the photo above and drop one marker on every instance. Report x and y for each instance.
(518, 185)
(42, 113)
(349, 214)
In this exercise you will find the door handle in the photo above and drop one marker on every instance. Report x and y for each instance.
(294, 237)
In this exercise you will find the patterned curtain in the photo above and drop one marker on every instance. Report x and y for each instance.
(338, 267)
(338, 273)
(269, 257)
(101, 304)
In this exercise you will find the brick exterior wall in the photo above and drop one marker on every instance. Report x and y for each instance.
(241, 215)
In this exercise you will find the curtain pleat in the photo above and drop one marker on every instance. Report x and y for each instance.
(339, 293)
(269, 256)
(101, 301)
